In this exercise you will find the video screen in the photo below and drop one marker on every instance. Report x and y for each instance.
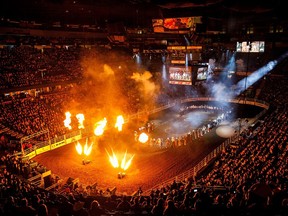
(180, 75)
(178, 23)
(202, 73)
(167, 24)
(247, 46)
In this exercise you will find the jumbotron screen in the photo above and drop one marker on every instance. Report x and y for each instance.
(253, 46)
(182, 24)
(180, 75)
(202, 72)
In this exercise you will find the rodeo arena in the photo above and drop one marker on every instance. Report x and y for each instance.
(89, 127)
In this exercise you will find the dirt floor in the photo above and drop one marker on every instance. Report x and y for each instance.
(149, 167)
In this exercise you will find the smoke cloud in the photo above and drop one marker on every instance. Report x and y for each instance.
(147, 88)
(111, 86)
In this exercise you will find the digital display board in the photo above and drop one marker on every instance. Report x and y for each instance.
(178, 23)
(202, 72)
(180, 75)
(253, 46)
(199, 71)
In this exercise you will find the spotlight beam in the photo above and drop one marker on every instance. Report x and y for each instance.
(254, 77)
(258, 74)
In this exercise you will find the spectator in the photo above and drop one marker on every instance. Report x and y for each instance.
(124, 205)
(170, 209)
(79, 209)
(136, 206)
(10, 206)
(96, 209)
(158, 209)
(25, 209)
(42, 210)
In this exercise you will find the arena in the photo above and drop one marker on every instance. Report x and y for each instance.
(153, 163)
(138, 107)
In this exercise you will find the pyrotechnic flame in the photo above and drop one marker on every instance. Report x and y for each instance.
(78, 148)
(67, 121)
(99, 130)
(81, 119)
(113, 159)
(123, 160)
(143, 137)
(124, 163)
(87, 149)
(119, 122)
(128, 163)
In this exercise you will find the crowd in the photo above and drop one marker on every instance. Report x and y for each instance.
(23, 66)
(252, 175)
(30, 115)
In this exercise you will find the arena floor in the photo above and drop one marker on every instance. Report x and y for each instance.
(150, 166)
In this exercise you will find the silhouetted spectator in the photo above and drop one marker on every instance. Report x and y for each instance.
(25, 209)
(158, 209)
(79, 209)
(96, 209)
(124, 205)
(170, 209)
(10, 206)
(42, 210)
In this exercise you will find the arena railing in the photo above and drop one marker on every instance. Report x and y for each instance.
(68, 138)
(54, 143)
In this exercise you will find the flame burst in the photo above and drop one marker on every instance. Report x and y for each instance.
(113, 159)
(143, 137)
(99, 130)
(78, 148)
(87, 149)
(81, 119)
(67, 121)
(125, 164)
(119, 122)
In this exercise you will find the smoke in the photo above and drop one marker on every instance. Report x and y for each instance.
(196, 119)
(221, 92)
(211, 65)
(231, 66)
(96, 70)
(148, 89)
(221, 89)
(111, 86)
(99, 94)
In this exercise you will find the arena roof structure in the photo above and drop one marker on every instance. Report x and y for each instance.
(137, 11)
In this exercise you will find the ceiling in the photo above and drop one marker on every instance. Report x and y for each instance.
(138, 12)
